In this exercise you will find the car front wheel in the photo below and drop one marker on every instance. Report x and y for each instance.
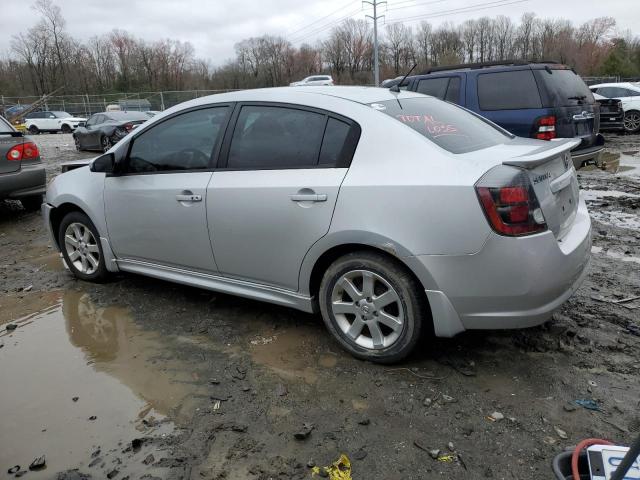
(66, 128)
(632, 121)
(105, 143)
(373, 306)
(80, 244)
(76, 140)
(33, 130)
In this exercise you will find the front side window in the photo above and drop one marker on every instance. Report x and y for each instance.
(183, 142)
(92, 120)
(275, 137)
(508, 91)
(448, 126)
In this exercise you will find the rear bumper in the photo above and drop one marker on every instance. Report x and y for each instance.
(511, 282)
(584, 156)
(30, 180)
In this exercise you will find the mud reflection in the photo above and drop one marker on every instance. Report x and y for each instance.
(72, 349)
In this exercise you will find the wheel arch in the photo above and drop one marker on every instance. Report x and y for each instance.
(58, 213)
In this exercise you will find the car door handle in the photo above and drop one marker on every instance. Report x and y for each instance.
(308, 197)
(189, 198)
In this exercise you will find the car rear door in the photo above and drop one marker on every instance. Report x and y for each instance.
(576, 111)
(156, 210)
(9, 138)
(272, 197)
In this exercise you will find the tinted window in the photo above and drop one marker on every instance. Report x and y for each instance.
(121, 116)
(453, 91)
(508, 90)
(183, 142)
(92, 120)
(333, 143)
(446, 125)
(563, 88)
(436, 87)
(276, 137)
(35, 115)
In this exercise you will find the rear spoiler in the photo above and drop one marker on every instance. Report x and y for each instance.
(542, 155)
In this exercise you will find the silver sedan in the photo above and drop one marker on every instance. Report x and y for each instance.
(391, 214)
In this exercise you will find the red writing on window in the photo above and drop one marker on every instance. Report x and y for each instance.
(434, 127)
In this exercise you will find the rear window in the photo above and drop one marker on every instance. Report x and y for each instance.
(448, 126)
(508, 91)
(563, 88)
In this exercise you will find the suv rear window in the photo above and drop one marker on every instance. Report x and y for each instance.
(563, 88)
(448, 126)
(508, 90)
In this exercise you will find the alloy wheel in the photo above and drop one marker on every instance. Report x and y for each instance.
(632, 122)
(82, 248)
(77, 142)
(106, 144)
(367, 309)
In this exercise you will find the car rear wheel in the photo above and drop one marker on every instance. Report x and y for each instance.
(632, 121)
(32, 204)
(33, 130)
(66, 128)
(373, 306)
(80, 244)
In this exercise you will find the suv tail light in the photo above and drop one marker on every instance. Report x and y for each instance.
(23, 151)
(545, 128)
(509, 202)
(128, 127)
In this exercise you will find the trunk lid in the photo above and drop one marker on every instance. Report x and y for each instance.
(554, 180)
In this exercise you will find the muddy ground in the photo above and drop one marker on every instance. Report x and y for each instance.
(140, 378)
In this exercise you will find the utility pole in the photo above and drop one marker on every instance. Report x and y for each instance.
(375, 17)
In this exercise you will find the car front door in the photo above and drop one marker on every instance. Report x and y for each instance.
(85, 134)
(272, 197)
(156, 209)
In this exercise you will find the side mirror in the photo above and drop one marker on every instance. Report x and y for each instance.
(104, 163)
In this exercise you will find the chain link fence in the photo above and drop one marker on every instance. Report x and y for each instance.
(85, 105)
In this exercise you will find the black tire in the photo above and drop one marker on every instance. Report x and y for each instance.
(65, 128)
(101, 273)
(632, 121)
(409, 293)
(32, 204)
(33, 130)
(105, 143)
(76, 140)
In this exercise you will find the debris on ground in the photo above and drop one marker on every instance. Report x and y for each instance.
(338, 470)
(304, 432)
(496, 417)
(589, 404)
(10, 327)
(38, 463)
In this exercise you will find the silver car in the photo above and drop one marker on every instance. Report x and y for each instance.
(390, 213)
(326, 80)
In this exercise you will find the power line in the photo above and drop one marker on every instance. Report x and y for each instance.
(468, 9)
(290, 34)
(299, 38)
(393, 5)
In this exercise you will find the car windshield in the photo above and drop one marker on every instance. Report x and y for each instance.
(5, 127)
(448, 126)
(61, 114)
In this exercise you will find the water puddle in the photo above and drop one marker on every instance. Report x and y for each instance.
(615, 255)
(75, 378)
(291, 354)
(592, 195)
(616, 218)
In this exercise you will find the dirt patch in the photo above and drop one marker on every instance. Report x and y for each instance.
(219, 386)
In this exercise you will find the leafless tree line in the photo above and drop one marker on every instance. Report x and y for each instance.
(46, 56)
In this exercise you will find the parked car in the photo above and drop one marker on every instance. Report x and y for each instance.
(52, 122)
(611, 113)
(537, 100)
(313, 80)
(629, 95)
(289, 196)
(103, 130)
(22, 174)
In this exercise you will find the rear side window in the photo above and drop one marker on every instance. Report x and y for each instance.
(508, 91)
(334, 142)
(446, 125)
(453, 90)
(563, 88)
(276, 137)
(436, 87)
(183, 142)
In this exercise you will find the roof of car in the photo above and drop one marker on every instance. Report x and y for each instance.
(634, 86)
(362, 95)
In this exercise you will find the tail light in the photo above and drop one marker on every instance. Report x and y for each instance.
(545, 128)
(509, 202)
(128, 127)
(23, 151)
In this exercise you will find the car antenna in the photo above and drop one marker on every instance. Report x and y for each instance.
(396, 87)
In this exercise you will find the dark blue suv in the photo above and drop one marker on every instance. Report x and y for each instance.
(538, 100)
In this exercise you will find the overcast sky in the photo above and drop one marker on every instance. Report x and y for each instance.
(213, 26)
